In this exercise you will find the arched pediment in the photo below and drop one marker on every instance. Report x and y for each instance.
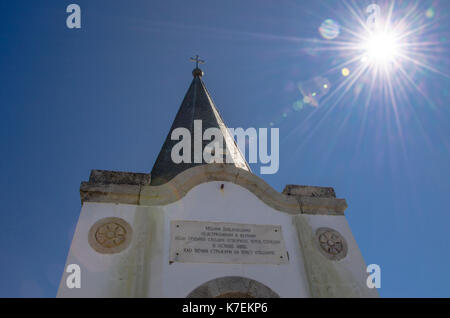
(134, 188)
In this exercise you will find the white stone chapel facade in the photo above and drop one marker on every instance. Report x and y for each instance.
(210, 230)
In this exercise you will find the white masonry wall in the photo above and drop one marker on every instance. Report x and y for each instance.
(143, 269)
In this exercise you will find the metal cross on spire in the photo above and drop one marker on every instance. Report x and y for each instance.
(197, 61)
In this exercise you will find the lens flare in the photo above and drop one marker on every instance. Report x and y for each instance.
(314, 90)
(429, 13)
(386, 56)
(329, 29)
(378, 67)
(345, 72)
(298, 105)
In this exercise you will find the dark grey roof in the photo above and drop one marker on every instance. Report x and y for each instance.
(197, 105)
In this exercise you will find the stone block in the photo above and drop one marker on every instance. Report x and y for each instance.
(309, 191)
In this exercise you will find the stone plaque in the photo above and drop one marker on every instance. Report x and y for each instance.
(230, 243)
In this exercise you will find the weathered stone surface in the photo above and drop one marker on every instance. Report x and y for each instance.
(309, 191)
(133, 188)
(329, 206)
(280, 201)
(240, 287)
(185, 181)
(118, 177)
(115, 193)
(330, 277)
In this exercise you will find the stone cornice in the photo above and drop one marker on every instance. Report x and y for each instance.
(100, 189)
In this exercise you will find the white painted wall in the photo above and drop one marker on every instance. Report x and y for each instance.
(354, 263)
(207, 202)
(143, 269)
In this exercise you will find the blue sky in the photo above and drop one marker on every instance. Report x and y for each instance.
(104, 97)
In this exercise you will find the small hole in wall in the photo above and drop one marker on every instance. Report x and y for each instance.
(222, 186)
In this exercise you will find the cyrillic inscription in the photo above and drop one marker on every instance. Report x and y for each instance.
(230, 243)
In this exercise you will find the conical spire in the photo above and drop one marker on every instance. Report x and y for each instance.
(197, 105)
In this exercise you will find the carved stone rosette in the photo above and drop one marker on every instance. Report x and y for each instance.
(110, 235)
(331, 243)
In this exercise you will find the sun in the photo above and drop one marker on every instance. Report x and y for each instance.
(381, 47)
(379, 59)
